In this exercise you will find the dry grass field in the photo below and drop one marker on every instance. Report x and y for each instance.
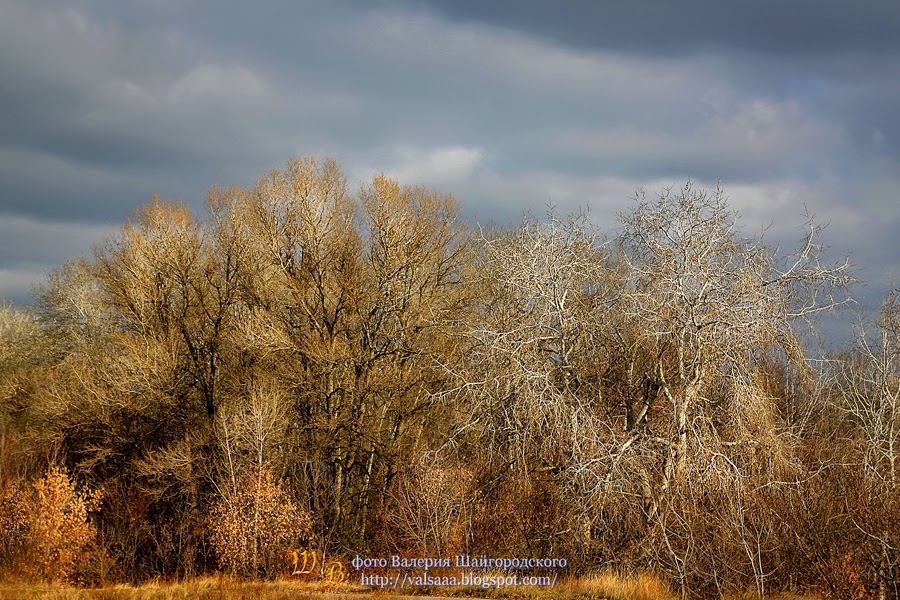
(206, 588)
(602, 586)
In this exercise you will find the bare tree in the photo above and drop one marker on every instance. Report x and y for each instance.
(344, 304)
(870, 391)
(528, 388)
(640, 375)
(709, 304)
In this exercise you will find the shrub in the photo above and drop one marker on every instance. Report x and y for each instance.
(255, 526)
(44, 528)
(432, 508)
(14, 525)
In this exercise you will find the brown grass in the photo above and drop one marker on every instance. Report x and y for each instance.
(205, 588)
(776, 596)
(603, 586)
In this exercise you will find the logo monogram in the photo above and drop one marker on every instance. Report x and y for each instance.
(305, 563)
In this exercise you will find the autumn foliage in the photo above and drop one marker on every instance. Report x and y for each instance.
(45, 527)
(305, 367)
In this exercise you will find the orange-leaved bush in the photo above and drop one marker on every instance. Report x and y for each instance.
(255, 524)
(45, 529)
(14, 526)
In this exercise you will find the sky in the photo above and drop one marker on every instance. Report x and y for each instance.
(792, 105)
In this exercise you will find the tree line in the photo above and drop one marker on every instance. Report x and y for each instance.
(307, 367)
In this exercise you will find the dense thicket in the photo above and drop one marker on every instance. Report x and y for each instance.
(305, 367)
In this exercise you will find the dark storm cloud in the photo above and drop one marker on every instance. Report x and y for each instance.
(508, 105)
(662, 28)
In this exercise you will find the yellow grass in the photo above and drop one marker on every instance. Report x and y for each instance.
(617, 587)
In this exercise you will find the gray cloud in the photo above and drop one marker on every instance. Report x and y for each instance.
(31, 248)
(506, 105)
